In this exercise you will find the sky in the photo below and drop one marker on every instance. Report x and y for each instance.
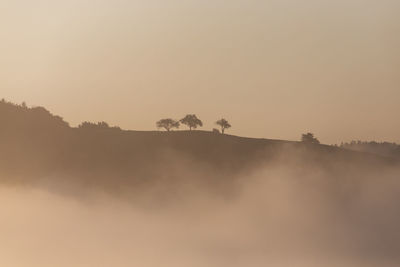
(273, 68)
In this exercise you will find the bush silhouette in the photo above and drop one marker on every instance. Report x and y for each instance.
(309, 138)
(92, 126)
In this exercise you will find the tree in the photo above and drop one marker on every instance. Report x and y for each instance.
(167, 124)
(309, 138)
(224, 124)
(191, 121)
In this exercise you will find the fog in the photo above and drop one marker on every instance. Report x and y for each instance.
(274, 215)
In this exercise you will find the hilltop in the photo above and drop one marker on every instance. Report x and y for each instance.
(37, 146)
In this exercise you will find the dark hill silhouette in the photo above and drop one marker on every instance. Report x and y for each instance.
(38, 147)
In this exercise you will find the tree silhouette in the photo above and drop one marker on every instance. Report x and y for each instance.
(309, 138)
(224, 125)
(191, 121)
(167, 124)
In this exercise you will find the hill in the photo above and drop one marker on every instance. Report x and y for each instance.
(38, 147)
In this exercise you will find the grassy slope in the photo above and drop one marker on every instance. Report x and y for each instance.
(35, 144)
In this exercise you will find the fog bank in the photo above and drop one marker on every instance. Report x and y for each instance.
(277, 216)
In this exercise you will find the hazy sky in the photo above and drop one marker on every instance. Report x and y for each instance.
(273, 68)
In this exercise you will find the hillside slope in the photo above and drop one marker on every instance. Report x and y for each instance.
(36, 146)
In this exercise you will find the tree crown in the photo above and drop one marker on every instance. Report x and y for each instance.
(191, 121)
(167, 124)
(223, 123)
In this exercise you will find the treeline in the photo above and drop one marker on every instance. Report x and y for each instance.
(11, 113)
(381, 148)
(35, 117)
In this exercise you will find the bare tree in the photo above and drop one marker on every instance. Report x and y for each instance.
(167, 124)
(309, 138)
(191, 121)
(224, 124)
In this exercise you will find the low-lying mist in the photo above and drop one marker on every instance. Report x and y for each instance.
(281, 214)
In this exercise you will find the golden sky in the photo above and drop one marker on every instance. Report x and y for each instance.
(273, 68)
